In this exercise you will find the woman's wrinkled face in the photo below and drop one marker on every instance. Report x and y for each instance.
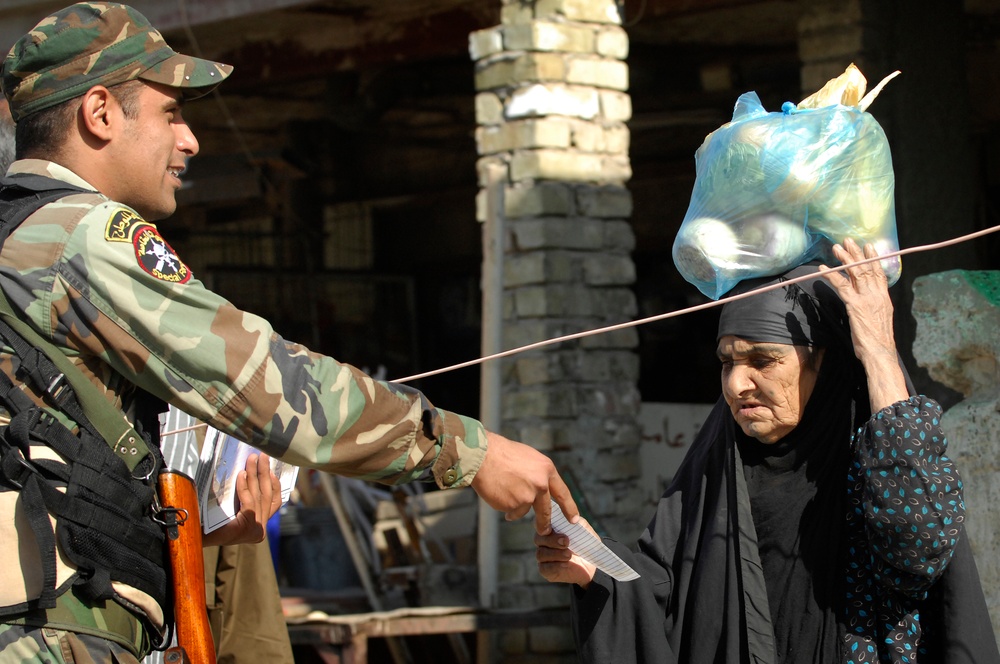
(766, 385)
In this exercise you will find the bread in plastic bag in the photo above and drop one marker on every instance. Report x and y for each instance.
(775, 190)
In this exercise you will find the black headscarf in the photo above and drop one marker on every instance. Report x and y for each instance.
(808, 313)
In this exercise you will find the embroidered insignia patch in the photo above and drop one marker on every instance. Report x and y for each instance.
(122, 225)
(152, 252)
(156, 257)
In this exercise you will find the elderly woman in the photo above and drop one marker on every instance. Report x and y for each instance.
(816, 518)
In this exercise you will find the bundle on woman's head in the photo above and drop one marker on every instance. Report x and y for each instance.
(808, 313)
(779, 189)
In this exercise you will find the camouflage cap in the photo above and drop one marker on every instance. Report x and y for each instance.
(96, 43)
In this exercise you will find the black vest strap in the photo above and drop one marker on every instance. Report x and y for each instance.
(101, 491)
(22, 194)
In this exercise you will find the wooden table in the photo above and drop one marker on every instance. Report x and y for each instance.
(343, 639)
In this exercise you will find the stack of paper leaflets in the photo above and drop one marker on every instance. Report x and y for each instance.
(215, 468)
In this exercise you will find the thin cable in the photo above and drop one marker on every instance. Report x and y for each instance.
(699, 307)
(674, 314)
(230, 120)
(164, 434)
(223, 107)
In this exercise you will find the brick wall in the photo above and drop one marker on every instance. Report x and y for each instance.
(551, 108)
(957, 314)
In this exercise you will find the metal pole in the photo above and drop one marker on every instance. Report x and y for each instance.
(490, 389)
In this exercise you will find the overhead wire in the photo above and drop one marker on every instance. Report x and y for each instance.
(700, 307)
(219, 99)
(679, 312)
(270, 189)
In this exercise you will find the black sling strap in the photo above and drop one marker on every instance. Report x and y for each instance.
(67, 387)
(102, 516)
(22, 194)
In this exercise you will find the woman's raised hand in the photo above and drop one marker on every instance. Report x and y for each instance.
(864, 290)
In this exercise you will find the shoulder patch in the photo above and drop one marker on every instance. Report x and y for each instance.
(122, 225)
(157, 258)
(152, 252)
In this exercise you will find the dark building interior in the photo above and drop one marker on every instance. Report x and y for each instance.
(335, 190)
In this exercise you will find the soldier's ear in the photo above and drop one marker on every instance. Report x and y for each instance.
(96, 115)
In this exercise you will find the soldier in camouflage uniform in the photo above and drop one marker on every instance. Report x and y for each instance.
(97, 97)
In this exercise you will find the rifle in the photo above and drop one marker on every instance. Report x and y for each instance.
(179, 501)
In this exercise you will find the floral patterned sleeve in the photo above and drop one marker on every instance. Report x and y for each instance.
(909, 495)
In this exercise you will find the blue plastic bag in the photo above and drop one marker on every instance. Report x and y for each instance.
(775, 190)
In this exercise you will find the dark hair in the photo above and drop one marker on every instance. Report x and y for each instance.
(41, 134)
(6, 143)
(127, 96)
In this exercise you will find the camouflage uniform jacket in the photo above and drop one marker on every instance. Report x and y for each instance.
(101, 283)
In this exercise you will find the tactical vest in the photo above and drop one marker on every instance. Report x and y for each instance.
(101, 490)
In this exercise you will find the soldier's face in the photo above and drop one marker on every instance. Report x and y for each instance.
(154, 149)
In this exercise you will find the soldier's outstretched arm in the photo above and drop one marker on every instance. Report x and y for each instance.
(515, 477)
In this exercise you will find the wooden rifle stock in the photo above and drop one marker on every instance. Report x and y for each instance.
(179, 500)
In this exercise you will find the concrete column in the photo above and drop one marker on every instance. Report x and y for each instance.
(958, 315)
(551, 108)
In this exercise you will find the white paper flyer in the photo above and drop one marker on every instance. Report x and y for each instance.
(223, 457)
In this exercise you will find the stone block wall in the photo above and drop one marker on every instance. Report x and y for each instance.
(958, 315)
(551, 108)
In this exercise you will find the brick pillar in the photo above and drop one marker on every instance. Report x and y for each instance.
(551, 108)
